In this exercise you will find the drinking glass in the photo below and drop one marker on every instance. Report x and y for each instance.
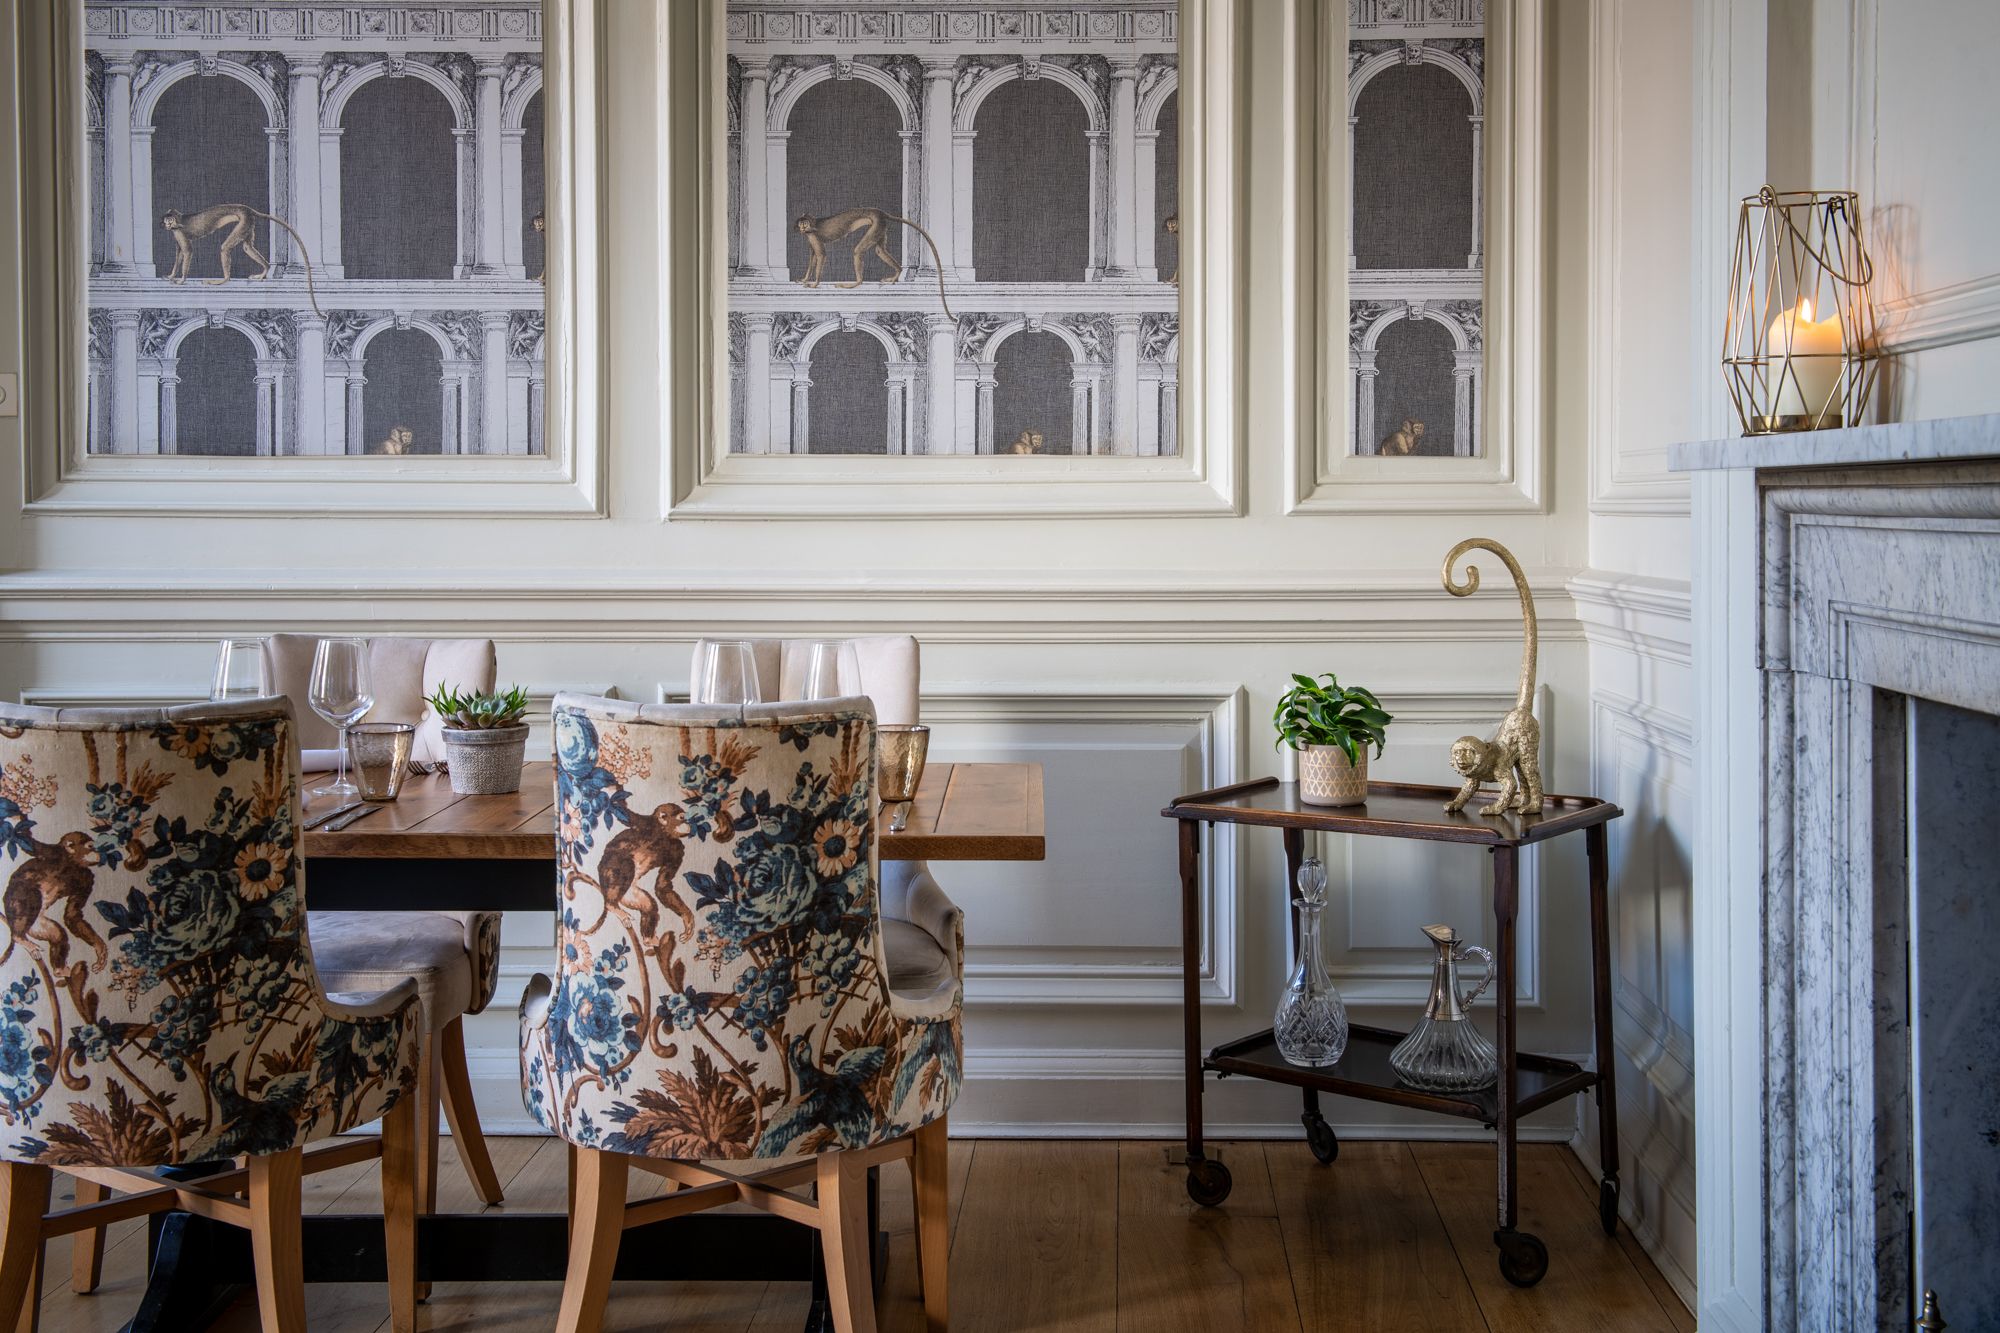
(341, 694)
(381, 757)
(822, 674)
(899, 753)
(239, 671)
(725, 672)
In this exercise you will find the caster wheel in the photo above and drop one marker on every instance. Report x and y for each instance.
(1524, 1260)
(1321, 1139)
(1607, 1205)
(1208, 1182)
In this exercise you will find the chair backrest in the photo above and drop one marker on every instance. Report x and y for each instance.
(403, 671)
(722, 991)
(886, 669)
(158, 1002)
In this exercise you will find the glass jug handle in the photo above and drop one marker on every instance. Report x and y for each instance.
(1467, 950)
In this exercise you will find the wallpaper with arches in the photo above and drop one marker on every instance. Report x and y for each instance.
(1036, 149)
(1416, 109)
(373, 176)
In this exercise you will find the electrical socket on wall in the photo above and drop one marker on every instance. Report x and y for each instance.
(10, 395)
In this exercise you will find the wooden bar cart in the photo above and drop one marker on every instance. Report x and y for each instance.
(1527, 1082)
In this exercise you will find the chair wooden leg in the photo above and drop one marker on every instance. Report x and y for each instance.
(929, 1178)
(597, 1223)
(399, 1211)
(462, 1114)
(276, 1240)
(429, 1067)
(31, 1306)
(86, 1248)
(843, 1234)
(569, 1186)
(24, 1197)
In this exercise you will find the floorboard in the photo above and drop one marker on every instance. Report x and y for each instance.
(1069, 1237)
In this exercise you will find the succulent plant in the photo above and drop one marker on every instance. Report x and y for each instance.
(1328, 713)
(476, 710)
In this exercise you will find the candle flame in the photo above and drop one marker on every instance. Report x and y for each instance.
(1805, 310)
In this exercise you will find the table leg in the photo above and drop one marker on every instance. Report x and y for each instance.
(1295, 855)
(1190, 860)
(1600, 979)
(1523, 1257)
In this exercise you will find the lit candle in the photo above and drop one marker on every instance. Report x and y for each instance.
(1805, 390)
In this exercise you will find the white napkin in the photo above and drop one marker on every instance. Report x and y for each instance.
(319, 761)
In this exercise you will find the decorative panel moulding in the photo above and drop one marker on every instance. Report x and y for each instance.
(1492, 311)
(551, 397)
(728, 298)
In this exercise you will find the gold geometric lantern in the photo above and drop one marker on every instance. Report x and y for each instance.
(1799, 346)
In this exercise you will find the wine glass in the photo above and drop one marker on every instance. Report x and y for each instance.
(342, 695)
(822, 671)
(239, 671)
(725, 672)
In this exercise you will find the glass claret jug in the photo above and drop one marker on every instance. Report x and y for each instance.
(1445, 1052)
(1311, 1026)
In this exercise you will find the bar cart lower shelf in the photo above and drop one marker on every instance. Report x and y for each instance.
(1526, 1083)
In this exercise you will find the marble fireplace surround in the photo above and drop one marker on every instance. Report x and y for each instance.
(1829, 568)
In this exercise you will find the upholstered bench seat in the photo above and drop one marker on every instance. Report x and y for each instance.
(918, 964)
(373, 951)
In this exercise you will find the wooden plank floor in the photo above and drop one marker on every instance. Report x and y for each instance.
(1076, 1237)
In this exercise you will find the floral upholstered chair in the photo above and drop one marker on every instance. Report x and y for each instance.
(453, 956)
(721, 992)
(158, 1001)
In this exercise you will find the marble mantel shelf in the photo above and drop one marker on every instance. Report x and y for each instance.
(1945, 440)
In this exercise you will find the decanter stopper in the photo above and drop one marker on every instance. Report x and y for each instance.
(1312, 883)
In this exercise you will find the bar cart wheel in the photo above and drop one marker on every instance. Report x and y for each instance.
(1208, 1182)
(1523, 1258)
(1607, 1205)
(1321, 1139)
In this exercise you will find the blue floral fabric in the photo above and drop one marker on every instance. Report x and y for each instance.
(721, 990)
(158, 1003)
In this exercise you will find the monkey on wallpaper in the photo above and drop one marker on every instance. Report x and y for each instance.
(873, 226)
(1173, 228)
(399, 440)
(541, 225)
(1030, 442)
(240, 219)
(1403, 441)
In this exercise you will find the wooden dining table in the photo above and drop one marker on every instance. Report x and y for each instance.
(433, 849)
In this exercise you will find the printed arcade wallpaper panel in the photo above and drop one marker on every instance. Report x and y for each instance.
(953, 227)
(1416, 103)
(315, 228)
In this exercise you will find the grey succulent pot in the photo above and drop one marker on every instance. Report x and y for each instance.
(485, 762)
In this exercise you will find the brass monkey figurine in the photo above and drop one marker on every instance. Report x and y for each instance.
(240, 220)
(873, 224)
(1513, 757)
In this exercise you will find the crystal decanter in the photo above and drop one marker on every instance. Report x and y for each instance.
(1311, 1025)
(1445, 1052)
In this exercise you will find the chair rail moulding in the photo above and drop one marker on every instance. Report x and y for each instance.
(1147, 371)
(517, 359)
(1376, 301)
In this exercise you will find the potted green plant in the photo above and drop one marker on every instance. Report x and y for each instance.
(485, 740)
(1331, 726)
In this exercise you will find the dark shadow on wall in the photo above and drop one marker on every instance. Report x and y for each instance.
(1167, 188)
(845, 152)
(848, 409)
(209, 148)
(1031, 393)
(1413, 170)
(1031, 185)
(216, 402)
(398, 182)
(403, 367)
(1415, 358)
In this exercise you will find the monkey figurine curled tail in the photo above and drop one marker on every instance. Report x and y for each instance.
(1513, 758)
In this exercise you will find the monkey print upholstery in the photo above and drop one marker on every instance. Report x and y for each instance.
(158, 1002)
(721, 990)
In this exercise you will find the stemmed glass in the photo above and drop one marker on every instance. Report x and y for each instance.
(239, 671)
(822, 675)
(725, 672)
(341, 694)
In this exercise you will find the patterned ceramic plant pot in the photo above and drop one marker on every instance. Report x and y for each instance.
(485, 762)
(1327, 778)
